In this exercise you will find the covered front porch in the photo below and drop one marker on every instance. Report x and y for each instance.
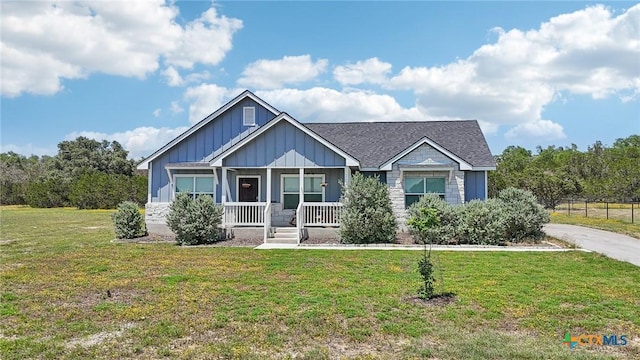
(282, 201)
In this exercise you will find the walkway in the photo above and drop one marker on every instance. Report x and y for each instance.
(543, 247)
(616, 246)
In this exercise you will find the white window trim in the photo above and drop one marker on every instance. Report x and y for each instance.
(283, 176)
(444, 194)
(244, 116)
(238, 176)
(175, 176)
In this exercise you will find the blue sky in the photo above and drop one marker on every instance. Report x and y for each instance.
(532, 73)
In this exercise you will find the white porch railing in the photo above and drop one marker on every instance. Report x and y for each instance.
(244, 214)
(267, 221)
(320, 214)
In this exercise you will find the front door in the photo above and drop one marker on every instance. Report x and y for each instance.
(248, 189)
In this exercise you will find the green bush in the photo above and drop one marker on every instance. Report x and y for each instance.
(421, 225)
(367, 216)
(100, 190)
(482, 222)
(195, 221)
(127, 221)
(524, 216)
(47, 192)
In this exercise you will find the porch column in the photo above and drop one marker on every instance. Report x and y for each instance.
(347, 175)
(223, 189)
(301, 183)
(268, 197)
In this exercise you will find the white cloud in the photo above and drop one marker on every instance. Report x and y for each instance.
(157, 112)
(369, 71)
(28, 149)
(204, 99)
(274, 74)
(538, 129)
(139, 142)
(205, 40)
(328, 105)
(175, 108)
(172, 76)
(509, 82)
(45, 42)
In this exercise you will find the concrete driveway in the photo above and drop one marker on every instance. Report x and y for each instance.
(616, 246)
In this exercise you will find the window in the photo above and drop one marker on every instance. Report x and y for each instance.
(313, 190)
(195, 185)
(415, 187)
(249, 116)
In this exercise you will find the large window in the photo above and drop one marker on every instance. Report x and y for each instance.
(415, 187)
(313, 190)
(195, 185)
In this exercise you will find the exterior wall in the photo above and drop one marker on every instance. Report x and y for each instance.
(423, 155)
(332, 177)
(225, 130)
(284, 145)
(474, 185)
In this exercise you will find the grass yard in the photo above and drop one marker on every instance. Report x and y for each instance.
(68, 292)
(619, 226)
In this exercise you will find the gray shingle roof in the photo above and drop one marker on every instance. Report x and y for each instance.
(374, 143)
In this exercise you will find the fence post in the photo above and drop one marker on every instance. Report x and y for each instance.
(569, 207)
(607, 210)
(632, 212)
(585, 208)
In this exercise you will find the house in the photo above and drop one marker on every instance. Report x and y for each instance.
(264, 166)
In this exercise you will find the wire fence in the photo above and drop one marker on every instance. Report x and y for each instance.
(628, 212)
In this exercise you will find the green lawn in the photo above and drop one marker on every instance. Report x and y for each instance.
(619, 226)
(205, 302)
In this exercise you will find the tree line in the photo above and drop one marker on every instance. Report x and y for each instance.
(85, 173)
(552, 174)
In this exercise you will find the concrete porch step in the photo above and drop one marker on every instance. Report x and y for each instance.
(283, 235)
(281, 240)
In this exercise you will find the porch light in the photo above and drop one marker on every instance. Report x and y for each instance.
(246, 185)
(324, 184)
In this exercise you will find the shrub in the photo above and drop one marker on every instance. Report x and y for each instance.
(423, 228)
(195, 221)
(127, 221)
(482, 222)
(367, 216)
(524, 216)
(47, 192)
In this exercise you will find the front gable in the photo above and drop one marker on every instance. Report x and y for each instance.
(282, 146)
(283, 143)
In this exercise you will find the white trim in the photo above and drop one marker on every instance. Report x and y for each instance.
(486, 186)
(176, 176)
(426, 168)
(483, 168)
(282, 176)
(388, 166)
(245, 94)
(149, 178)
(350, 161)
(195, 167)
(238, 176)
(269, 180)
(245, 118)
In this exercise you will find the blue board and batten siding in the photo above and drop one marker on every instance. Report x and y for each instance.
(203, 142)
(284, 145)
(474, 185)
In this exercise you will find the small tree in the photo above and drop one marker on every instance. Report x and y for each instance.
(127, 221)
(367, 216)
(194, 221)
(426, 222)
